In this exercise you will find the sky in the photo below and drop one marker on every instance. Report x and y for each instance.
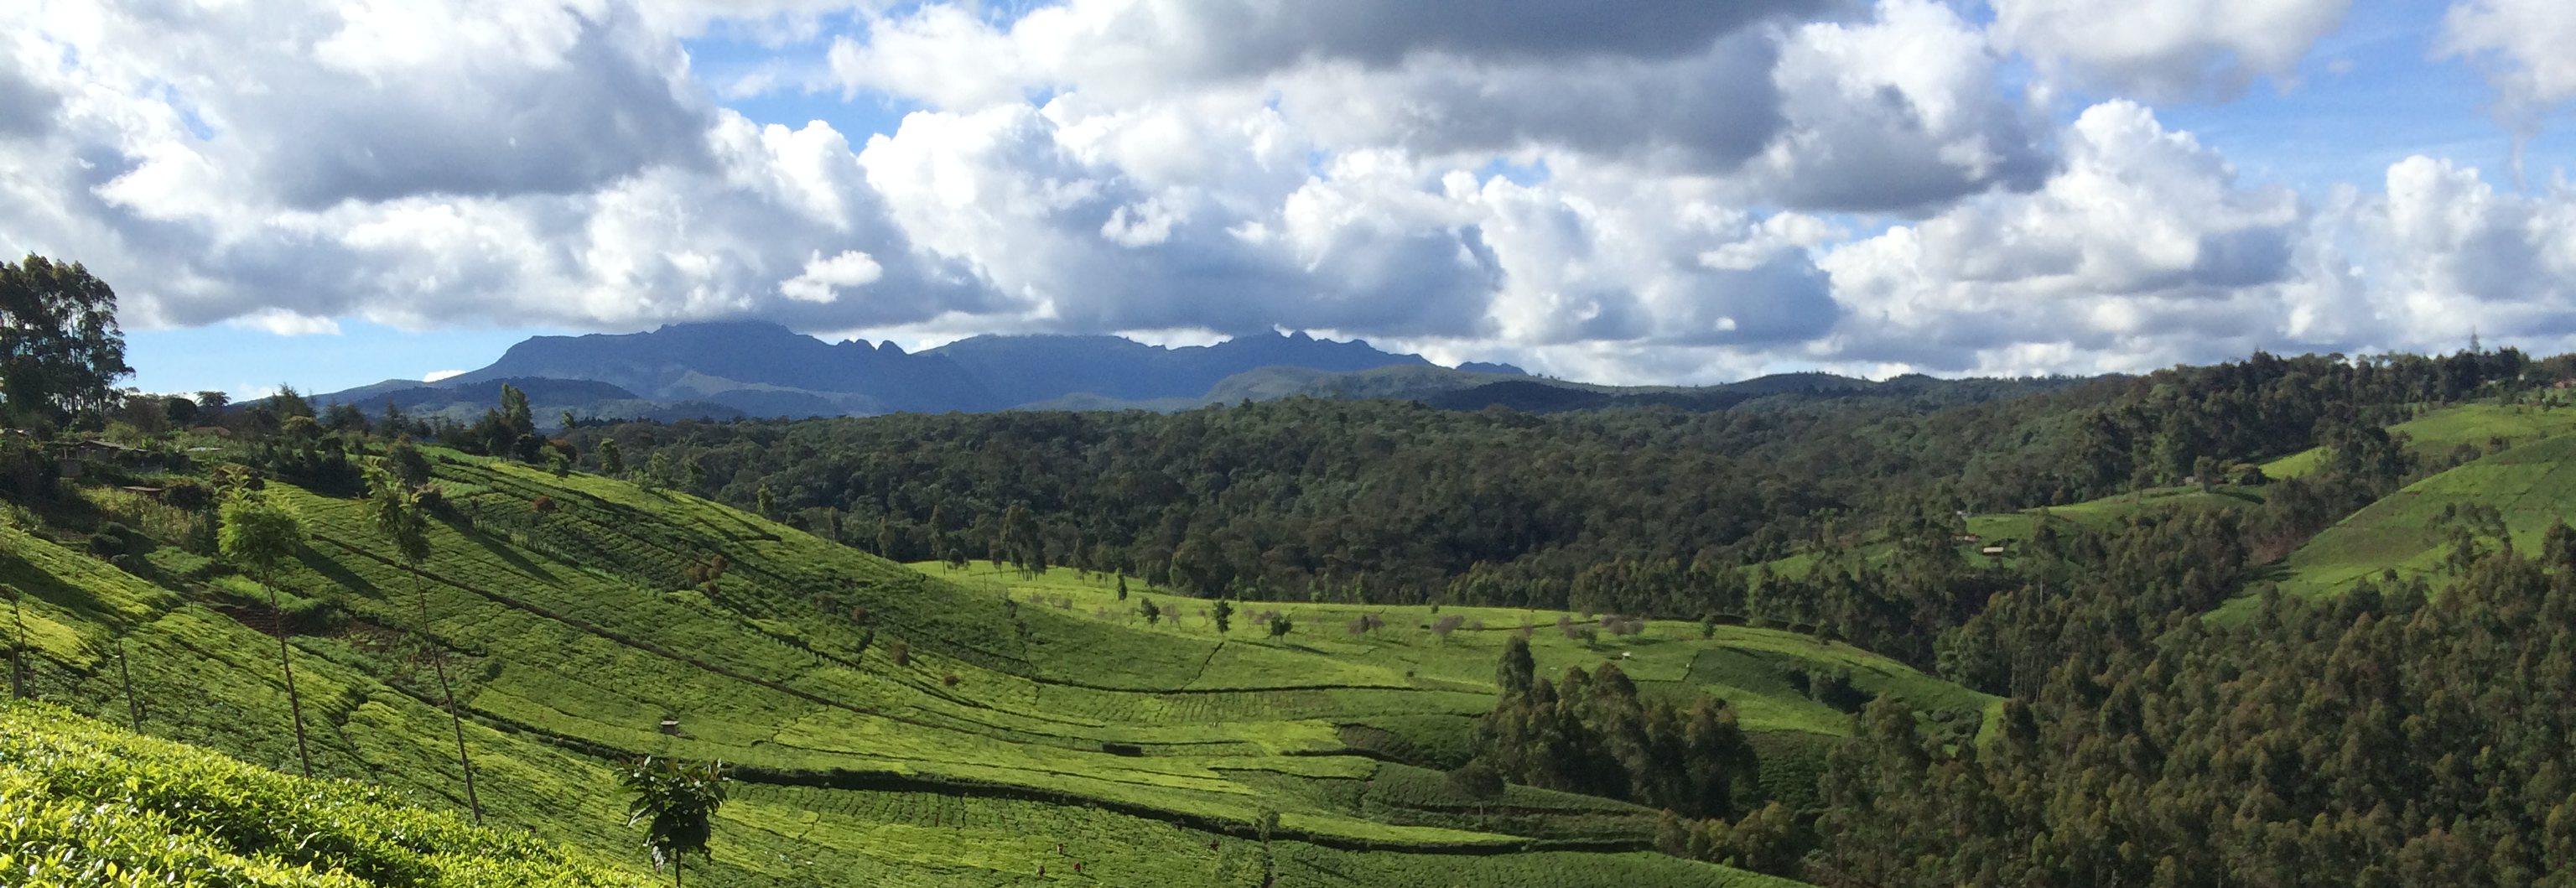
(1622, 191)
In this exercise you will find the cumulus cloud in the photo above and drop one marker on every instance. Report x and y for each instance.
(824, 279)
(1669, 193)
(2171, 50)
(2523, 46)
(427, 164)
(2146, 251)
(2143, 250)
(1141, 48)
(1898, 112)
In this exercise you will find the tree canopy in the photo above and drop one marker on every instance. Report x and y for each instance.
(61, 351)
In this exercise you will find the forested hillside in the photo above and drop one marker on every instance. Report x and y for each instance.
(1654, 511)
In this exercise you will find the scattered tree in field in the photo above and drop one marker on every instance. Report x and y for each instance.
(900, 652)
(258, 535)
(1280, 625)
(407, 463)
(397, 512)
(1151, 613)
(612, 458)
(1364, 624)
(1122, 587)
(1021, 541)
(677, 804)
(1223, 616)
(61, 352)
(765, 503)
(1445, 625)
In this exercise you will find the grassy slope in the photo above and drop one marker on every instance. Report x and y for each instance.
(82, 804)
(572, 639)
(2436, 433)
(1752, 668)
(2533, 485)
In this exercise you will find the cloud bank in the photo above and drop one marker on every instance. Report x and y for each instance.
(1625, 192)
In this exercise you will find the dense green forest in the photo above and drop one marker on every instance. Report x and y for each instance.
(1634, 511)
(2278, 622)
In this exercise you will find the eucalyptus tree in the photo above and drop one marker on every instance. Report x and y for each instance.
(257, 534)
(400, 515)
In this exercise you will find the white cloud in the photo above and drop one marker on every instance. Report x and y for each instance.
(2167, 50)
(2143, 251)
(285, 322)
(2523, 46)
(1668, 193)
(823, 279)
(1902, 111)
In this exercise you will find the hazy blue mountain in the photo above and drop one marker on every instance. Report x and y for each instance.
(758, 369)
(1032, 369)
(547, 398)
(752, 365)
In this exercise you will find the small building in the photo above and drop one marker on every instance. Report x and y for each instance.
(1992, 551)
(671, 726)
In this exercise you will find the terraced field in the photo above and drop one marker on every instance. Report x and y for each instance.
(89, 805)
(889, 725)
(2531, 487)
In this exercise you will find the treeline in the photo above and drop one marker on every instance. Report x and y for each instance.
(2383, 738)
(1635, 511)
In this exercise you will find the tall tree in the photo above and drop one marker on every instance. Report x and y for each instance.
(257, 534)
(60, 349)
(398, 513)
(677, 804)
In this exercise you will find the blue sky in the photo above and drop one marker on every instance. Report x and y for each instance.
(1621, 192)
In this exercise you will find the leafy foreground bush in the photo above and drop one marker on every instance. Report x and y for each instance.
(82, 804)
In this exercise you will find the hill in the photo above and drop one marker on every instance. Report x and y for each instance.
(88, 805)
(886, 724)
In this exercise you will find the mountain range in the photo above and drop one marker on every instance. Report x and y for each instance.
(750, 368)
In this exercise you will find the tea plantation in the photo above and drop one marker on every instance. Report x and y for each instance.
(882, 723)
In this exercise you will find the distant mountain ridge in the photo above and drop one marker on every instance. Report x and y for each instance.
(752, 368)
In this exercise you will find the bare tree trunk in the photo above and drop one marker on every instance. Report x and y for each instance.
(447, 696)
(17, 644)
(286, 663)
(133, 704)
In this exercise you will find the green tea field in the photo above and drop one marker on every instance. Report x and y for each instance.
(885, 724)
